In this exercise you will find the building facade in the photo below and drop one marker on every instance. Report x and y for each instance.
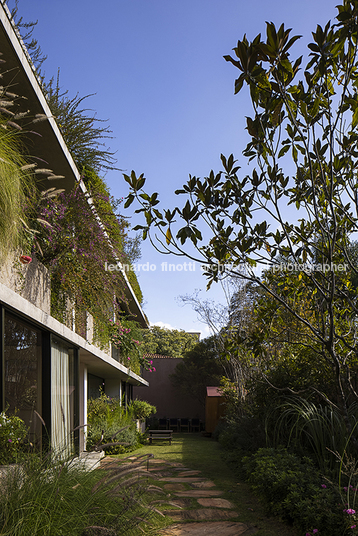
(47, 370)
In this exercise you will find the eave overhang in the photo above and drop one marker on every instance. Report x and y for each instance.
(99, 361)
(47, 143)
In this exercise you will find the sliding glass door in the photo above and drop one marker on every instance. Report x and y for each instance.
(39, 383)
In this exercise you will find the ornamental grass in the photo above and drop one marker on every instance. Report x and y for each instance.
(50, 497)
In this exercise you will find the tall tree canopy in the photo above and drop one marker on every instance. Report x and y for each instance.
(296, 213)
(171, 342)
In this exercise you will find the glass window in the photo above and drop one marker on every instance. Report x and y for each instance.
(23, 373)
(95, 385)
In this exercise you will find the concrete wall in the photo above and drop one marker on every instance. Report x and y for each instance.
(30, 281)
(170, 403)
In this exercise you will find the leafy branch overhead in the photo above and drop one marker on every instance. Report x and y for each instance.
(289, 224)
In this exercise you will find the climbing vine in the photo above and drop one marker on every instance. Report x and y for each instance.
(127, 337)
(74, 246)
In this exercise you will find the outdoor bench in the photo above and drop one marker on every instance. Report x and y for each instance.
(160, 434)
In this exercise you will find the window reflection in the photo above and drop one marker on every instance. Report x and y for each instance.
(23, 373)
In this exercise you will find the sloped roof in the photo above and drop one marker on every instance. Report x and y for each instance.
(158, 356)
(213, 391)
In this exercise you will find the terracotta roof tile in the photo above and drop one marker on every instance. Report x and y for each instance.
(214, 391)
(158, 356)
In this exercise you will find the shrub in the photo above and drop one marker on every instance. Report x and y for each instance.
(12, 435)
(108, 439)
(315, 430)
(293, 489)
(142, 410)
(246, 433)
(110, 424)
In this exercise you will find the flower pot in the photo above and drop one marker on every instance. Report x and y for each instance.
(25, 259)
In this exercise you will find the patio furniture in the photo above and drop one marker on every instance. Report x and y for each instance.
(163, 424)
(174, 424)
(184, 425)
(195, 425)
(166, 435)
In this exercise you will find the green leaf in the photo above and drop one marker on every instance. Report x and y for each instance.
(139, 184)
(144, 196)
(129, 201)
(158, 214)
(283, 151)
(294, 153)
(355, 118)
(168, 236)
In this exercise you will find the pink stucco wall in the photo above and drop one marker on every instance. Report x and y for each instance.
(170, 403)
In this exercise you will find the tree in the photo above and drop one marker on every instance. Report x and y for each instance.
(82, 131)
(230, 323)
(171, 342)
(201, 366)
(304, 140)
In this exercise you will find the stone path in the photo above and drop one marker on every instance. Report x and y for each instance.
(201, 511)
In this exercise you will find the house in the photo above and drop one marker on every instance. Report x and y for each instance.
(47, 369)
(215, 408)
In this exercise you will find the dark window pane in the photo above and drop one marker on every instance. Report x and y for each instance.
(23, 372)
(95, 385)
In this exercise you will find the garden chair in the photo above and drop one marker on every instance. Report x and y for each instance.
(195, 425)
(184, 425)
(174, 424)
(163, 424)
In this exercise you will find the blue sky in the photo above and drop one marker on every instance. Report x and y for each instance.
(158, 74)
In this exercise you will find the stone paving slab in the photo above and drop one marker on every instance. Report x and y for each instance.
(179, 465)
(216, 503)
(158, 468)
(181, 469)
(174, 487)
(189, 473)
(221, 528)
(159, 461)
(200, 515)
(161, 475)
(181, 479)
(210, 520)
(183, 502)
(203, 485)
(199, 493)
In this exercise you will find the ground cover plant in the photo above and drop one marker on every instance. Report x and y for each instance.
(309, 485)
(294, 490)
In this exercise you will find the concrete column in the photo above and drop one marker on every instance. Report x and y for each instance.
(83, 406)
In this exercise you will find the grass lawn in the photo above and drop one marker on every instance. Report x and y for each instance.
(205, 454)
